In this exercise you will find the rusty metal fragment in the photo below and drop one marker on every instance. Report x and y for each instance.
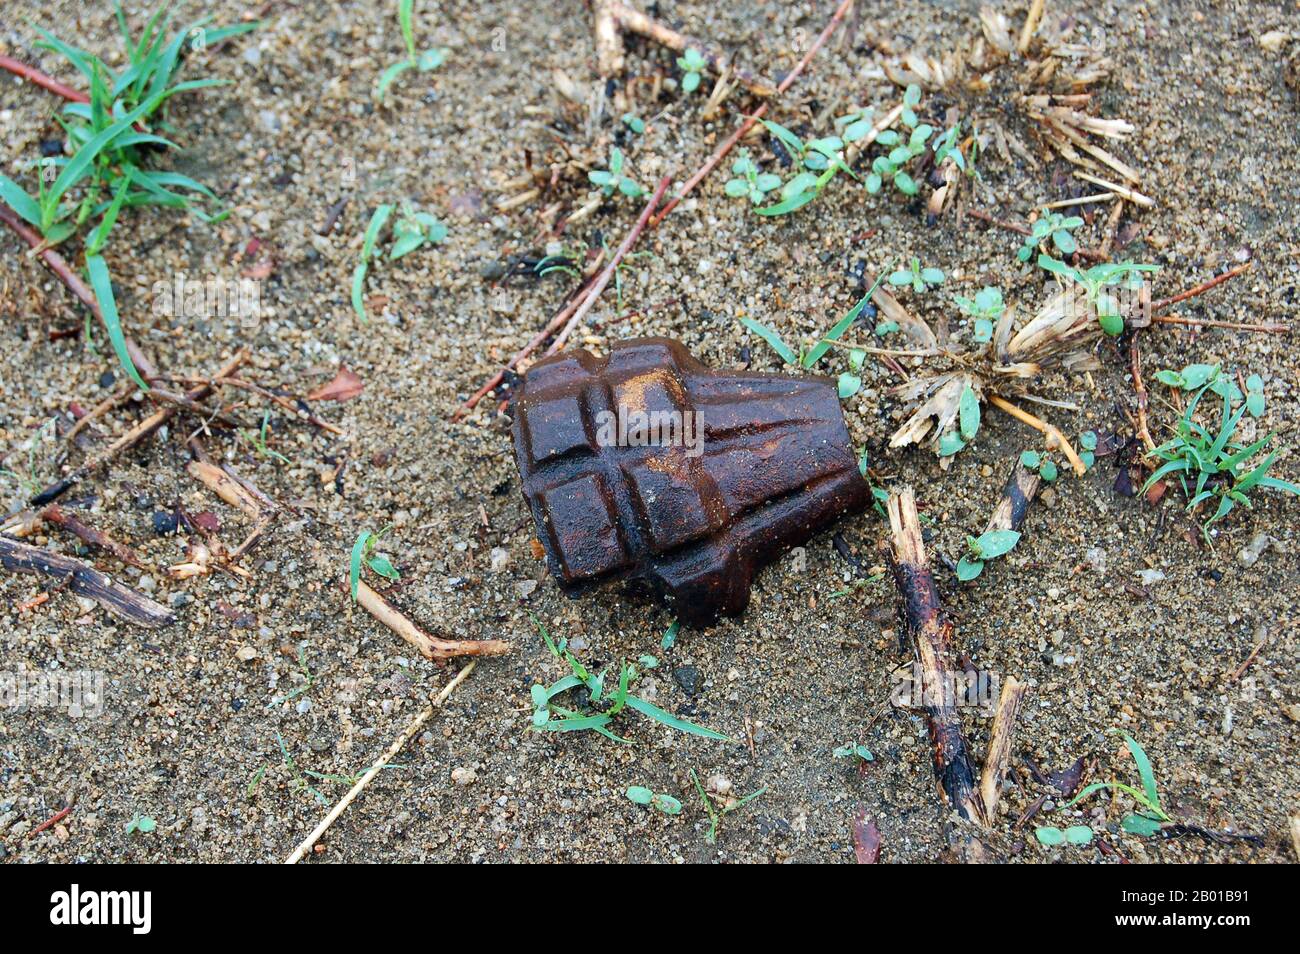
(646, 465)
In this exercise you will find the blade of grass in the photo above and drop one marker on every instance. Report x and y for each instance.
(404, 11)
(18, 200)
(103, 287)
(772, 338)
(843, 325)
(358, 291)
(670, 720)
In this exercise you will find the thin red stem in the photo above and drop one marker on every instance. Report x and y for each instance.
(33, 75)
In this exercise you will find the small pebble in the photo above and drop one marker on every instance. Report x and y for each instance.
(463, 776)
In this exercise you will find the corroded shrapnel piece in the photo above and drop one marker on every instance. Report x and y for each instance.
(739, 467)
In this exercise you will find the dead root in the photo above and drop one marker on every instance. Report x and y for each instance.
(430, 647)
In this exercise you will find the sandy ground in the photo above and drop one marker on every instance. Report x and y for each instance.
(190, 730)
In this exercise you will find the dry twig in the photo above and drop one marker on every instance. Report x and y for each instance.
(1054, 437)
(407, 734)
(132, 437)
(36, 77)
(604, 277)
(59, 517)
(431, 647)
(931, 635)
(84, 580)
(999, 753)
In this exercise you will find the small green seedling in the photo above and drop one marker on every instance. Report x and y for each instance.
(644, 796)
(1052, 836)
(859, 753)
(308, 681)
(140, 823)
(717, 812)
(600, 706)
(1255, 395)
(1088, 441)
(1150, 818)
(1196, 376)
(1094, 280)
(31, 482)
(783, 350)
(633, 122)
(879, 495)
(669, 639)
(1221, 466)
(258, 440)
(968, 424)
(856, 125)
(414, 229)
(749, 182)
(985, 309)
(837, 331)
(921, 279)
(613, 180)
(564, 261)
(890, 167)
(1054, 226)
(987, 546)
(255, 782)
(363, 555)
(297, 780)
(692, 64)
(820, 161)
(378, 219)
(850, 381)
(428, 60)
(1044, 465)
(947, 146)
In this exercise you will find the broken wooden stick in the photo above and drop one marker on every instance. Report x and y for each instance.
(612, 17)
(110, 403)
(89, 535)
(430, 647)
(931, 635)
(1020, 489)
(407, 735)
(1140, 389)
(84, 580)
(999, 752)
(1201, 289)
(132, 437)
(1032, 19)
(225, 487)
